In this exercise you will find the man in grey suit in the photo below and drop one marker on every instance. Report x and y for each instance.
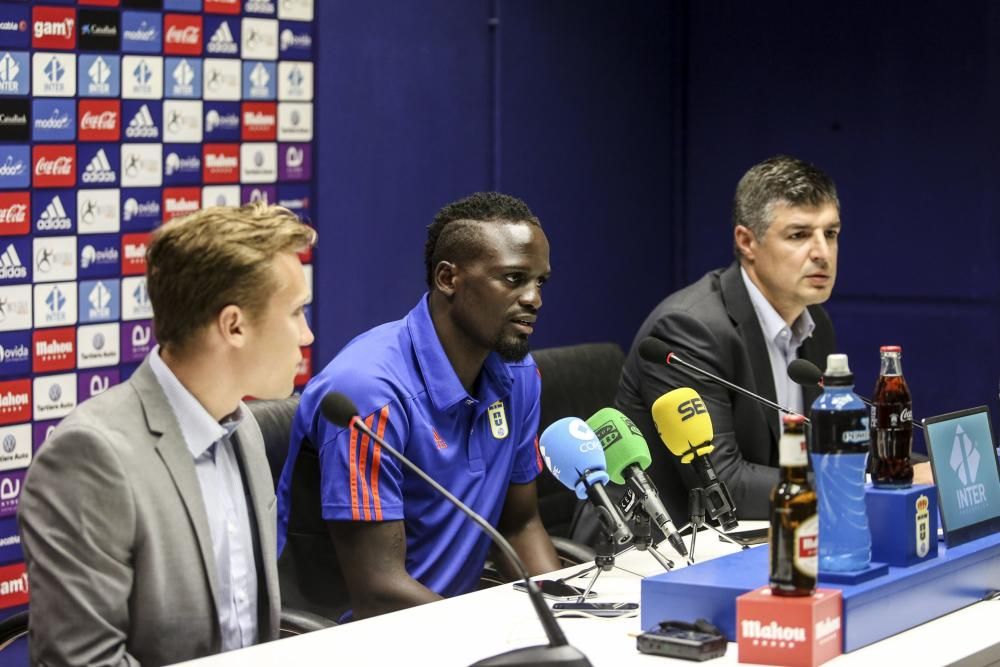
(746, 323)
(148, 517)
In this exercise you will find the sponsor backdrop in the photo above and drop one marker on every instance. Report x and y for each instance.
(116, 115)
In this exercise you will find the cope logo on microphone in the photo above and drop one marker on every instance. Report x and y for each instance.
(690, 408)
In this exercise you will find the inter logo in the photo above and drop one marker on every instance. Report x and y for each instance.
(14, 73)
(183, 77)
(142, 77)
(53, 74)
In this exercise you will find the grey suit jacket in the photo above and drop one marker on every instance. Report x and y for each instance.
(713, 325)
(116, 537)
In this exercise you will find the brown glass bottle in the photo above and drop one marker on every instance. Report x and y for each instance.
(892, 424)
(794, 537)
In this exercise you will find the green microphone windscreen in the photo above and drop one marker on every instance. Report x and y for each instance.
(622, 441)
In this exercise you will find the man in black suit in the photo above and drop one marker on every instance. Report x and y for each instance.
(745, 323)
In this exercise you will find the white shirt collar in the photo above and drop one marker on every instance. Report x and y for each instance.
(198, 427)
(772, 324)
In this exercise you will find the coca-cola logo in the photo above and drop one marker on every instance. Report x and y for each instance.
(61, 166)
(15, 213)
(106, 120)
(187, 35)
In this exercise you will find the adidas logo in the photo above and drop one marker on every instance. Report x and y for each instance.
(54, 217)
(99, 170)
(11, 266)
(222, 41)
(142, 125)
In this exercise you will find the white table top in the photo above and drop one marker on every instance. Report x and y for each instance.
(464, 629)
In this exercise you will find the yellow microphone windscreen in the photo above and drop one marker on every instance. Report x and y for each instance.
(683, 423)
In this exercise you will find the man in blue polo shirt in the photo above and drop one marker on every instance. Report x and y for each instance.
(452, 386)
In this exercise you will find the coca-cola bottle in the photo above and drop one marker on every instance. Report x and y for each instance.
(892, 424)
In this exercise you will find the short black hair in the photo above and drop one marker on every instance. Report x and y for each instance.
(455, 233)
(780, 179)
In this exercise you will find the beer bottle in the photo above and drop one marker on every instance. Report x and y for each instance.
(892, 424)
(794, 533)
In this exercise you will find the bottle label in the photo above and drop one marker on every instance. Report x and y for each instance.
(792, 451)
(807, 546)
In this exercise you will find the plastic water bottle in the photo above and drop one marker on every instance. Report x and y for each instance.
(839, 440)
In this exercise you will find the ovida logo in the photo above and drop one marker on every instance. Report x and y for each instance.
(964, 461)
(133, 208)
(174, 164)
(289, 40)
(90, 256)
(14, 354)
(216, 121)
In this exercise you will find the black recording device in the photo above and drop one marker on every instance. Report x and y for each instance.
(697, 641)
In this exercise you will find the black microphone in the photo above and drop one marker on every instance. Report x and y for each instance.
(807, 374)
(656, 351)
(340, 410)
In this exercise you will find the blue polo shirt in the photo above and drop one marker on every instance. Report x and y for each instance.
(475, 446)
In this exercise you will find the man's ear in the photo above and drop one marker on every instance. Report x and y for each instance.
(445, 278)
(746, 243)
(230, 325)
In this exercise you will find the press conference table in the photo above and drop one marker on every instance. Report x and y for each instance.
(462, 630)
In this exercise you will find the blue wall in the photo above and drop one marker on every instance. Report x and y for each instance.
(625, 127)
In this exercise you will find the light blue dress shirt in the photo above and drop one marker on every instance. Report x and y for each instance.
(783, 343)
(225, 506)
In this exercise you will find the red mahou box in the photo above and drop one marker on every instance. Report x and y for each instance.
(789, 631)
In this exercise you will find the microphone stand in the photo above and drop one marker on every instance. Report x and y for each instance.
(696, 504)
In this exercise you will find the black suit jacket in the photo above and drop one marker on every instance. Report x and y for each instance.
(713, 325)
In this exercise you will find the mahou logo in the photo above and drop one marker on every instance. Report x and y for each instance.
(53, 28)
(182, 34)
(178, 202)
(134, 253)
(100, 120)
(54, 166)
(54, 349)
(14, 213)
(260, 121)
(221, 163)
(15, 401)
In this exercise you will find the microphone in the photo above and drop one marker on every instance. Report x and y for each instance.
(340, 410)
(806, 374)
(574, 456)
(656, 351)
(627, 458)
(683, 423)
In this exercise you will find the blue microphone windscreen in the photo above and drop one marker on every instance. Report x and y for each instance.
(573, 454)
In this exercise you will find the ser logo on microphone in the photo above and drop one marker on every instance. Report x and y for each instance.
(690, 408)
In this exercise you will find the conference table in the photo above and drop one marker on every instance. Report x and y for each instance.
(467, 628)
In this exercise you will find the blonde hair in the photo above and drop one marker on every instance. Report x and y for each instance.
(219, 256)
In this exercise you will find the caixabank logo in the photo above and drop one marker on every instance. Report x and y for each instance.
(54, 396)
(14, 208)
(15, 447)
(100, 75)
(143, 120)
(53, 166)
(50, 213)
(98, 345)
(182, 78)
(100, 256)
(99, 30)
(54, 349)
(15, 401)
(53, 120)
(182, 34)
(181, 164)
(141, 209)
(14, 120)
(100, 301)
(15, 353)
(15, 261)
(53, 28)
(100, 120)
